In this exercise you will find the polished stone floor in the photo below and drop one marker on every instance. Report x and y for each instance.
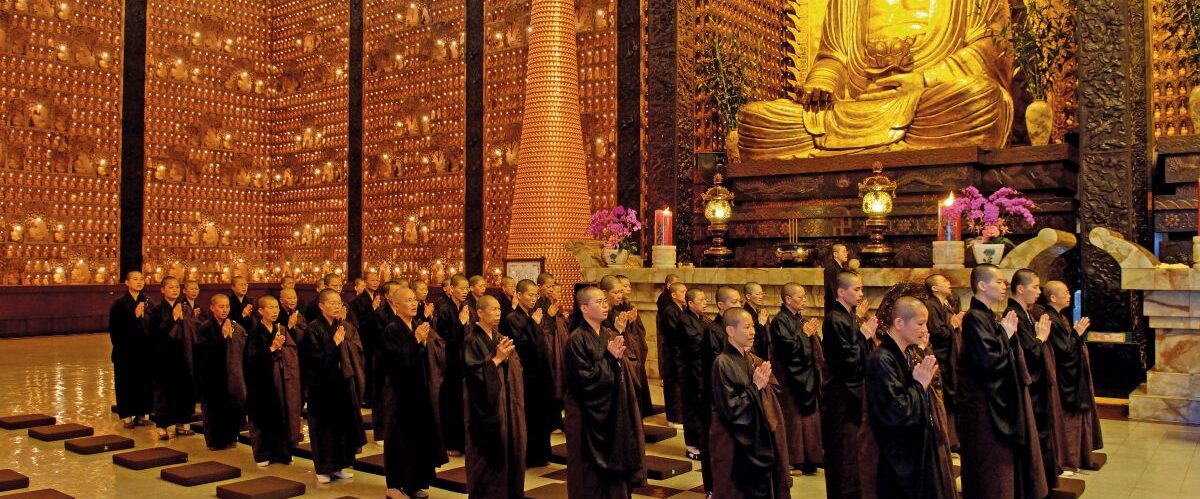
(70, 377)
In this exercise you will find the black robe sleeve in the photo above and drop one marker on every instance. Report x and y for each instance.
(987, 358)
(594, 379)
(845, 350)
(1073, 381)
(262, 401)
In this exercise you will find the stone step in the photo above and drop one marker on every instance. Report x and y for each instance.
(267, 487)
(58, 432)
(25, 421)
(98, 444)
(1167, 384)
(150, 458)
(1144, 406)
(11, 480)
(190, 475)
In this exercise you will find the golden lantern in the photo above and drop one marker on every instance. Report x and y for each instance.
(878, 193)
(718, 209)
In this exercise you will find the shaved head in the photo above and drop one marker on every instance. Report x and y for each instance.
(1055, 287)
(736, 316)
(907, 307)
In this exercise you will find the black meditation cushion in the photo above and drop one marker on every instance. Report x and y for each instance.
(190, 475)
(1068, 488)
(150, 458)
(98, 444)
(558, 454)
(552, 491)
(267, 487)
(197, 427)
(662, 468)
(1098, 461)
(60, 432)
(39, 494)
(370, 464)
(23, 421)
(655, 433)
(303, 450)
(454, 480)
(11, 480)
(244, 437)
(368, 422)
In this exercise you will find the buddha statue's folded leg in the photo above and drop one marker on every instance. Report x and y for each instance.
(772, 130)
(963, 112)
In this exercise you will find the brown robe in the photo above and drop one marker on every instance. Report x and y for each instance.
(638, 349)
(795, 364)
(606, 449)
(1000, 456)
(1078, 425)
(172, 342)
(495, 418)
(272, 394)
(723, 444)
(846, 351)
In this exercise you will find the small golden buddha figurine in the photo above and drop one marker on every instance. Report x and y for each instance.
(893, 75)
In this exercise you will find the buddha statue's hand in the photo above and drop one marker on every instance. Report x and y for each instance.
(891, 86)
(816, 97)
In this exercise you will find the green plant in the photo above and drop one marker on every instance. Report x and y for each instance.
(1041, 38)
(1183, 24)
(721, 68)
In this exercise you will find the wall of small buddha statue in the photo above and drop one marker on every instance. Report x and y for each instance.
(60, 78)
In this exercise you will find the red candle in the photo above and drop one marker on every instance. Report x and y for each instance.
(949, 229)
(1198, 207)
(663, 235)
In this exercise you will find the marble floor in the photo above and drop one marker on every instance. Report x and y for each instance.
(70, 377)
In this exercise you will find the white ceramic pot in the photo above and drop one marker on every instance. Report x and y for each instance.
(988, 253)
(615, 258)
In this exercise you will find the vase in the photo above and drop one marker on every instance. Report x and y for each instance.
(1194, 107)
(615, 258)
(1039, 122)
(731, 147)
(991, 253)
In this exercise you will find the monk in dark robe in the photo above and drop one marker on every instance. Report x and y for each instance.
(846, 345)
(900, 411)
(173, 333)
(1079, 433)
(131, 349)
(556, 342)
(700, 338)
(635, 334)
(452, 317)
(329, 281)
(495, 407)
(944, 326)
(435, 348)
(670, 369)
(795, 366)
(1032, 338)
(839, 258)
(425, 308)
(241, 305)
(220, 349)
(272, 369)
(191, 298)
(527, 328)
(746, 450)
(362, 309)
(605, 444)
(998, 438)
(755, 303)
(508, 295)
(332, 360)
(290, 316)
(412, 443)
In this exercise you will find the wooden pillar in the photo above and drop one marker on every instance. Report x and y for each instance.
(354, 154)
(629, 109)
(133, 141)
(670, 106)
(473, 204)
(1114, 171)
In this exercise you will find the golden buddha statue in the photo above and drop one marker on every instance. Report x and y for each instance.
(892, 75)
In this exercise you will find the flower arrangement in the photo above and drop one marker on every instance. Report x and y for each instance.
(615, 227)
(989, 216)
